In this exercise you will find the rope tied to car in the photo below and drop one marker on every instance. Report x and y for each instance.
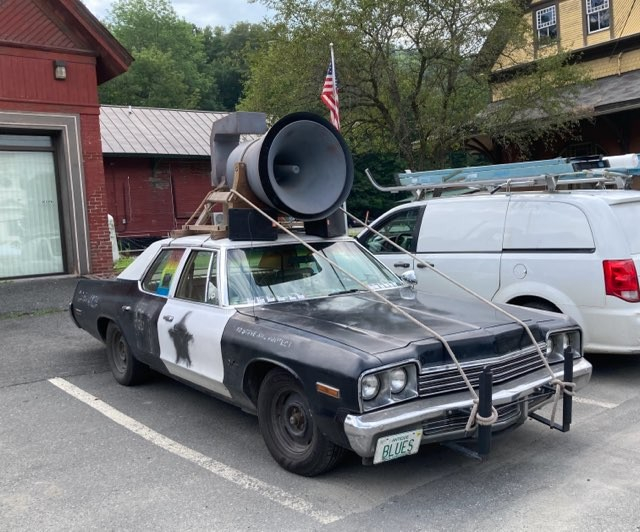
(561, 387)
(474, 417)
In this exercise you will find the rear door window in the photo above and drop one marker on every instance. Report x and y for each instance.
(628, 214)
(160, 277)
(542, 225)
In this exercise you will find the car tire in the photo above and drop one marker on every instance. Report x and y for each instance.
(126, 369)
(289, 430)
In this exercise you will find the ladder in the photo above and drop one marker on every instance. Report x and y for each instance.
(598, 171)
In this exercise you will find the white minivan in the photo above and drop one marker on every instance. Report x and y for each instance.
(576, 252)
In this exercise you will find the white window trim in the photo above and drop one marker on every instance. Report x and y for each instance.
(591, 10)
(597, 10)
(541, 25)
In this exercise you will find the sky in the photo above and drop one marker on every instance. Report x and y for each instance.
(201, 12)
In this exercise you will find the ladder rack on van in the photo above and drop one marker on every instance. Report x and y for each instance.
(598, 171)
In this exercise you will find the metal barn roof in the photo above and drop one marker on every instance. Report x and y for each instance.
(152, 131)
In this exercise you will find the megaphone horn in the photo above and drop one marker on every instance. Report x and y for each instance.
(301, 166)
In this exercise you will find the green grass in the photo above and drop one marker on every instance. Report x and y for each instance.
(13, 315)
(122, 263)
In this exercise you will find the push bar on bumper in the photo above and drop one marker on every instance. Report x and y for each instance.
(364, 430)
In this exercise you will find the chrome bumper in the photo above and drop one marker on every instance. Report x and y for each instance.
(364, 430)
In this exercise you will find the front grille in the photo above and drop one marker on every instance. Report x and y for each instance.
(457, 421)
(448, 379)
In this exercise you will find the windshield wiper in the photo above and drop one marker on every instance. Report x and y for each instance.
(349, 291)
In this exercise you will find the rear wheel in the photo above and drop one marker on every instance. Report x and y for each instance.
(126, 369)
(289, 430)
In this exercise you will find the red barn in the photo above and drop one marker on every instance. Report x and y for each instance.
(157, 167)
(53, 205)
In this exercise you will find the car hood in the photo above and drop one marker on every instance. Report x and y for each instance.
(363, 322)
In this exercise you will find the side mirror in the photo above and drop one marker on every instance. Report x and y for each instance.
(409, 277)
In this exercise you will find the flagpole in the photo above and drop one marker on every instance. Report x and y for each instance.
(333, 69)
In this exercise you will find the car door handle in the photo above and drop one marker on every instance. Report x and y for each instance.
(167, 318)
(401, 265)
(125, 308)
(420, 265)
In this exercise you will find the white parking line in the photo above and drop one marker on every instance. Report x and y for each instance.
(268, 491)
(601, 404)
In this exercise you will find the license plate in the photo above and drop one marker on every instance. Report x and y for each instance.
(397, 446)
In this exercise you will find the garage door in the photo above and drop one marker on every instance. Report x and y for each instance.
(30, 236)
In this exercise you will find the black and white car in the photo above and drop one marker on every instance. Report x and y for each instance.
(323, 360)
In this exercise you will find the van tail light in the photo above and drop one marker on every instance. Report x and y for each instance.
(621, 279)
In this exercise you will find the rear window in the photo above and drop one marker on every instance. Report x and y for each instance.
(628, 215)
(538, 225)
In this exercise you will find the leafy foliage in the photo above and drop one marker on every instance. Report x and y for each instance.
(169, 67)
(226, 56)
(178, 64)
(413, 76)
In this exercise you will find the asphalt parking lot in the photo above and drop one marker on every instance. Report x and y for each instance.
(80, 452)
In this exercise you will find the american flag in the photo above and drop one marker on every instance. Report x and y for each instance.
(329, 96)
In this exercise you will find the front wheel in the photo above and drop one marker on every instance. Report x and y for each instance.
(289, 430)
(126, 369)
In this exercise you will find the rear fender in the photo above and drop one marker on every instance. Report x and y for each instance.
(540, 291)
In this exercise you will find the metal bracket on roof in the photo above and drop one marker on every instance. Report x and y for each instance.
(551, 182)
(225, 137)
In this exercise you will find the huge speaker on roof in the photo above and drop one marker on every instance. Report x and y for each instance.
(301, 167)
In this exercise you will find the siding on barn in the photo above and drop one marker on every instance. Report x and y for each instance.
(150, 197)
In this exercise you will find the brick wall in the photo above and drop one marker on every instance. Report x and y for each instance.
(96, 197)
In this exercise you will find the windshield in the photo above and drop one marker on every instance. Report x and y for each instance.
(291, 272)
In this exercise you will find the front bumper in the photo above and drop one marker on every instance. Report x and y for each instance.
(444, 417)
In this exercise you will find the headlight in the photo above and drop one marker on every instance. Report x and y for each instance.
(370, 387)
(558, 342)
(389, 385)
(397, 380)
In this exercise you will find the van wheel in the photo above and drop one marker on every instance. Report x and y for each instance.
(126, 369)
(289, 430)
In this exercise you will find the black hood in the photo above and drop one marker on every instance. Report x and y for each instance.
(363, 322)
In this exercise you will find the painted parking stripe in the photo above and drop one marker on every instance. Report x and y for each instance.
(593, 402)
(239, 478)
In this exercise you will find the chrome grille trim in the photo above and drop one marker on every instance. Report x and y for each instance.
(457, 421)
(448, 379)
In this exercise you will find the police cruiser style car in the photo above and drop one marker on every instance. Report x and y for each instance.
(321, 358)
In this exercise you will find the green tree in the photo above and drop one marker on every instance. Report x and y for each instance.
(226, 57)
(170, 68)
(413, 76)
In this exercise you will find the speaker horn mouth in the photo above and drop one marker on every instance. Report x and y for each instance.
(304, 167)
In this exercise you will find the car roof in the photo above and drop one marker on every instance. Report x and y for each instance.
(136, 269)
(206, 241)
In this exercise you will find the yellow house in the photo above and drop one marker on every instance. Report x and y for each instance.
(603, 35)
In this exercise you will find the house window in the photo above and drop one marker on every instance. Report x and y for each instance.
(598, 15)
(547, 24)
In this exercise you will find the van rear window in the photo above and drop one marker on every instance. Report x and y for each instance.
(629, 216)
(537, 225)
